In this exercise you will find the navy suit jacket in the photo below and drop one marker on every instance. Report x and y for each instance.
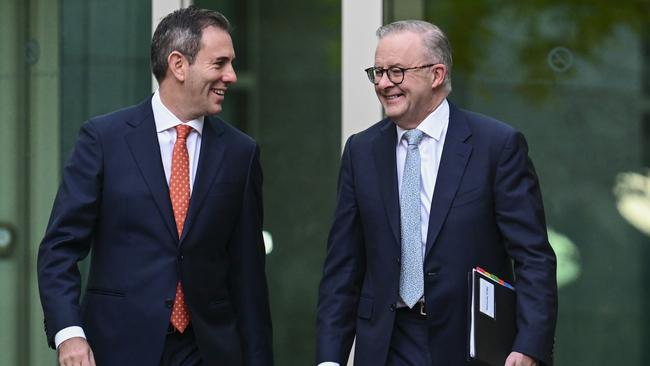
(114, 202)
(486, 211)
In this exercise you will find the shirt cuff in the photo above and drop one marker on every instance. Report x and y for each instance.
(328, 364)
(67, 333)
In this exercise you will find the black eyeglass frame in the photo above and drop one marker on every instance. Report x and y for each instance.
(370, 72)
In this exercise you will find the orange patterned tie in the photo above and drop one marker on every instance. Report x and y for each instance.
(179, 191)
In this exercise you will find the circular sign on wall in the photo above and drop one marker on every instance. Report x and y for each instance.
(560, 59)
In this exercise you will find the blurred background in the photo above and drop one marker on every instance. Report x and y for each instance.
(573, 75)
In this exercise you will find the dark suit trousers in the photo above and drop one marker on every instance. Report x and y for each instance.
(181, 349)
(409, 344)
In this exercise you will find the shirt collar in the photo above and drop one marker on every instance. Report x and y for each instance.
(433, 125)
(165, 119)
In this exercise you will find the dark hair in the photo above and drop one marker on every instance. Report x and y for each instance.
(181, 31)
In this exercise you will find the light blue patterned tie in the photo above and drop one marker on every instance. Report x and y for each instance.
(411, 282)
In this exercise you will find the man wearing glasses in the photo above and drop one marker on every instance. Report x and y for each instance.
(424, 196)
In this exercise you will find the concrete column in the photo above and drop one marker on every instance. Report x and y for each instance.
(360, 107)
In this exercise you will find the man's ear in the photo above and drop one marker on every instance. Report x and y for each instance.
(439, 72)
(176, 64)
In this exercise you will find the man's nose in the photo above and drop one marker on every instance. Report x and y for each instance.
(384, 81)
(230, 76)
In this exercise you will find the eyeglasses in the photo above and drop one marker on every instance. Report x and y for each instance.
(395, 74)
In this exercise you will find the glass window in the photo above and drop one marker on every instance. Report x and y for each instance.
(104, 60)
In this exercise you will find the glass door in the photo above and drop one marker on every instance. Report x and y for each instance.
(288, 97)
(13, 152)
(29, 105)
(62, 63)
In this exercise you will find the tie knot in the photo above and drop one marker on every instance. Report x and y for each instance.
(413, 137)
(182, 131)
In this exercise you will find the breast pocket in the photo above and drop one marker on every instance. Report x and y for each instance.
(227, 189)
(470, 196)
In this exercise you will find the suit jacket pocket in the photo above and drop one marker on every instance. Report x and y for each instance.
(218, 303)
(463, 198)
(105, 292)
(364, 311)
(226, 188)
(221, 312)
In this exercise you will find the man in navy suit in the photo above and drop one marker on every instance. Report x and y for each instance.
(168, 202)
(457, 184)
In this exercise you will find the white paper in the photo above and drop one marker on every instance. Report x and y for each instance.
(486, 301)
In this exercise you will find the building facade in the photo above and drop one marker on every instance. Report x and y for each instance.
(573, 76)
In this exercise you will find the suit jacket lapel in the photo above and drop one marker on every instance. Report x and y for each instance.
(385, 162)
(213, 151)
(144, 146)
(455, 155)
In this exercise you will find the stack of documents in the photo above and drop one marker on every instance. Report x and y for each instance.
(492, 318)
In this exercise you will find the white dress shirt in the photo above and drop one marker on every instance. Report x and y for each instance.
(166, 122)
(434, 127)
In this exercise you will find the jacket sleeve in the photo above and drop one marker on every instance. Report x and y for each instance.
(520, 217)
(69, 233)
(343, 271)
(247, 279)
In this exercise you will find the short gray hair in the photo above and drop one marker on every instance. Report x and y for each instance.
(434, 39)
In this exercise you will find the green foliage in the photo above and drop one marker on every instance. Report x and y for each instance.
(535, 28)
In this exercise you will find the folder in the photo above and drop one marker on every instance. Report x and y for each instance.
(492, 318)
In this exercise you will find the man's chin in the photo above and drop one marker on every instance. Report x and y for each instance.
(214, 111)
(392, 110)
(392, 114)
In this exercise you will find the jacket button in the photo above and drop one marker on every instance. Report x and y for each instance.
(432, 274)
(169, 303)
(180, 257)
(399, 260)
(392, 307)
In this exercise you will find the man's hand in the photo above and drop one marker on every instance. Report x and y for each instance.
(76, 352)
(520, 359)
